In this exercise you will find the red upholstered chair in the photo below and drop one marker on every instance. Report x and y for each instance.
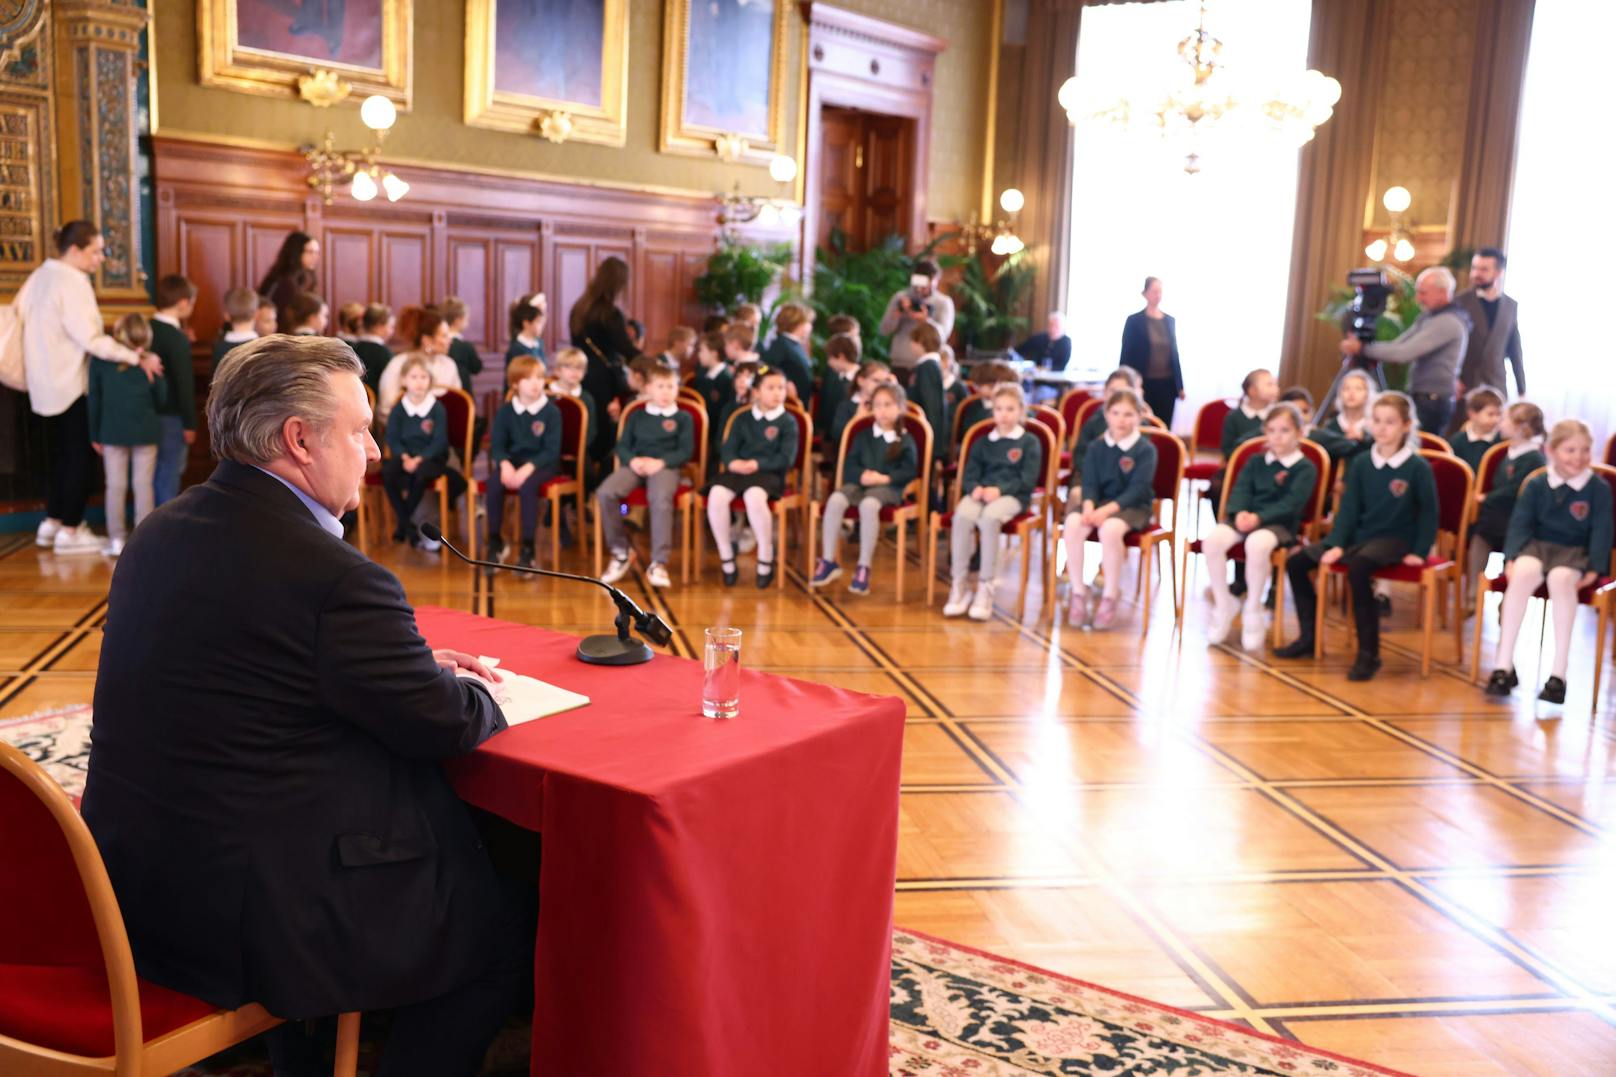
(914, 506)
(1455, 486)
(795, 497)
(1085, 411)
(1169, 481)
(71, 1002)
(1610, 451)
(1435, 442)
(692, 395)
(1206, 448)
(691, 477)
(1601, 594)
(1312, 517)
(1070, 403)
(1033, 518)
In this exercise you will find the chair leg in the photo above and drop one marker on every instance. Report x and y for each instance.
(1146, 557)
(1277, 574)
(443, 512)
(903, 554)
(1026, 564)
(347, 1060)
(555, 534)
(931, 560)
(1173, 579)
(780, 549)
(1318, 612)
(1458, 615)
(1184, 576)
(1599, 653)
(1428, 615)
(1475, 644)
(600, 566)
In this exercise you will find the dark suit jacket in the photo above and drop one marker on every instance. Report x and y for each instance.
(1054, 354)
(264, 782)
(1136, 345)
(1488, 347)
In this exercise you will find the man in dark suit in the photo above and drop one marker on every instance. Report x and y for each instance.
(1495, 333)
(264, 779)
(1051, 349)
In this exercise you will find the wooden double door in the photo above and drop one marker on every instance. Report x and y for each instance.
(867, 176)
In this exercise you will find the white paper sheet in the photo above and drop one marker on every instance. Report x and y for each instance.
(525, 698)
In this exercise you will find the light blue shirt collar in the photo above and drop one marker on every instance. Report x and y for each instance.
(322, 515)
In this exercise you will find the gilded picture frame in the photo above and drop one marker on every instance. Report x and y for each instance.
(748, 100)
(265, 47)
(571, 83)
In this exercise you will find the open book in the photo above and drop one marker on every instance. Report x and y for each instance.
(525, 698)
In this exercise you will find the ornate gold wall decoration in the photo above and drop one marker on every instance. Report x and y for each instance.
(723, 77)
(28, 213)
(258, 46)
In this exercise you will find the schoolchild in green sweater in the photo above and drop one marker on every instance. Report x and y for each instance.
(1484, 415)
(926, 386)
(1522, 430)
(657, 440)
(376, 327)
(759, 451)
(418, 445)
(176, 416)
(525, 453)
(124, 421)
(1119, 472)
(1000, 473)
(1264, 511)
(1560, 535)
(871, 375)
(526, 326)
(240, 308)
(1387, 515)
(881, 460)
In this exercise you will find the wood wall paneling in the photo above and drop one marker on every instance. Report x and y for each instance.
(470, 269)
(209, 250)
(406, 266)
(516, 273)
(348, 266)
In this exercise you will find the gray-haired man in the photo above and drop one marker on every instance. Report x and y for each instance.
(1433, 347)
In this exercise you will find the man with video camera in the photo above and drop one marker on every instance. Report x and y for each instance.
(907, 310)
(1433, 346)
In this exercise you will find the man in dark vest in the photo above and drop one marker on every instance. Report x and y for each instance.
(1495, 333)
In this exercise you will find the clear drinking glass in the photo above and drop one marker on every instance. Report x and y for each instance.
(721, 685)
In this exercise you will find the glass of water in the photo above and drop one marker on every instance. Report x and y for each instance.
(721, 684)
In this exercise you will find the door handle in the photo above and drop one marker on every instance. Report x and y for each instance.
(858, 157)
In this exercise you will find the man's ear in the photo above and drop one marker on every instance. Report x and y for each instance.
(295, 435)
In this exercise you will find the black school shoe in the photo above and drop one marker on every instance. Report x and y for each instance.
(1300, 647)
(1553, 690)
(1364, 668)
(524, 559)
(1383, 605)
(1502, 682)
(765, 578)
(730, 575)
(496, 548)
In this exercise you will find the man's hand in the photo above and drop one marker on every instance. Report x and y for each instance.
(461, 662)
(1182, 395)
(1351, 346)
(1413, 560)
(190, 437)
(152, 365)
(1331, 556)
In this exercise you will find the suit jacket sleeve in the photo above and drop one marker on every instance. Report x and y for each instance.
(1172, 340)
(376, 672)
(1516, 360)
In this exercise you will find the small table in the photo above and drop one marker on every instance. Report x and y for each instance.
(715, 896)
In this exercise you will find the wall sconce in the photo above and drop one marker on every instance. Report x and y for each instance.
(1399, 242)
(736, 209)
(330, 167)
(1000, 236)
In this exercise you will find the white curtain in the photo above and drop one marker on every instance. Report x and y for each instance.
(1220, 240)
(1562, 218)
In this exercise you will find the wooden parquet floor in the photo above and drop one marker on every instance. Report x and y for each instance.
(1402, 871)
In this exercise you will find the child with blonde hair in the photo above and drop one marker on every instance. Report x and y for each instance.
(1119, 472)
(1001, 472)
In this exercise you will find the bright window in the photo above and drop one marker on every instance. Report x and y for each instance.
(1220, 240)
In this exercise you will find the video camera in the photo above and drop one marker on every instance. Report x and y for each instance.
(918, 294)
(1370, 295)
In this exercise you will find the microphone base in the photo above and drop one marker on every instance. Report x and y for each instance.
(611, 651)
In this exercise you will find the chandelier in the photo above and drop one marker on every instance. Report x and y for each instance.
(736, 209)
(330, 167)
(1206, 99)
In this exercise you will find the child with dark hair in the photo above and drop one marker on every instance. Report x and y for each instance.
(176, 416)
(1484, 414)
(467, 360)
(841, 365)
(881, 462)
(375, 330)
(525, 452)
(526, 326)
(758, 453)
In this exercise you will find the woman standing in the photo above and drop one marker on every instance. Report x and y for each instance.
(1150, 346)
(598, 328)
(296, 269)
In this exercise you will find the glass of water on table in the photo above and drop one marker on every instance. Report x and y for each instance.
(721, 682)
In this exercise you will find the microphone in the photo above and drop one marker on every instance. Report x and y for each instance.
(618, 650)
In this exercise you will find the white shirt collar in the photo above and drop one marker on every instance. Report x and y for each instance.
(1126, 443)
(1576, 482)
(711, 372)
(767, 416)
(932, 357)
(321, 514)
(454, 336)
(565, 390)
(1015, 434)
(1288, 461)
(670, 410)
(421, 410)
(1396, 459)
(1250, 412)
(527, 342)
(1517, 451)
(240, 336)
(848, 375)
(166, 319)
(889, 436)
(529, 409)
(1488, 438)
(373, 338)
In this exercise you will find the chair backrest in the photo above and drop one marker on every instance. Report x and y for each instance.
(1434, 442)
(916, 428)
(461, 414)
(574, 432)
(1044, 415)
(1070, 403)
(911, 408)
(977, 432)
(1313, 514)
(697, 464)
(687, 393)
(1169, 477)
(1153, 421)
(1455, 487)
(1241, 456)
(55, 893)
(1085, 412)
(1208, 435)
(1491, 461)
(1610, 451)
(1050, 440)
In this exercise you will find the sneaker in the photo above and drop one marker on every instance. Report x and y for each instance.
(1383, 605)
(1105, 613)
(765, 574)
(1502, 682)
(113, 548)
(46, 534)
(825, 572)
(1077, 609)
(78, 539)
(1554, 690)
(1252, 631)
(1364, 667)
(861, 581)
(982, 605)
(959, 599)
(616, 568)
(1224, 611)
(496, 549)
(657, 576)
(1300, 647)
(524, 558)
(746, 541)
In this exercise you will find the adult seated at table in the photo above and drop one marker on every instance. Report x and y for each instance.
(264, 779)
(1051, 349)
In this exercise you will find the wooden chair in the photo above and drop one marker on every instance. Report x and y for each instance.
(1312, 517)
(1052, 418)
(1435, 442)
(71, 1002)
(1455, 483)
(1070, 403)
(914, 507)
(1033, 518)
(1601, 594)
(1085, 411)
(569, 478)
(687, 393)
(1206, 449)
(795, 498)
(1169, 480)
(692, 475)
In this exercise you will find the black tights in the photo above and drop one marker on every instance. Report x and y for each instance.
(1361, 562)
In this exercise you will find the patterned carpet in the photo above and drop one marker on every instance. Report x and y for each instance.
(956, 1012)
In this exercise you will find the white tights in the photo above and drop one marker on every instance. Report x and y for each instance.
(1111, 534)
(1260, 546)
(1525, 576)
(757, 513)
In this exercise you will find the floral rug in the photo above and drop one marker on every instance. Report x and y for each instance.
(956, 1012)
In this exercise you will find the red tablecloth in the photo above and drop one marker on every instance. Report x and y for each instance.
(715, 896)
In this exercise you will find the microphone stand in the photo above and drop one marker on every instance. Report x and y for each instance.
(619, 650)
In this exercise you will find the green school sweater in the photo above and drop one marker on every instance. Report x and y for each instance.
(785, 354)
(669, 438)
(1238, 428)
(1510, 474)
(1090, 431)
(1470, 449)
(376, 355)
(870, 451)
(1126, 477)
(973, 411)
(466, 360)
(426, 437)
(771, 442)
(833, 389)
(1333, 439)
(525, 438)
(1398, 501)
(926, 389)
(123, 404)
(224, 345)
(1558, 514)
(1277, 492)
(516, 348)
(173, 347)
(1013, 464)
(717, 387)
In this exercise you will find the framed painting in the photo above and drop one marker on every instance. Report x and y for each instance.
(723, 75)
(265, 46)
(553, 67)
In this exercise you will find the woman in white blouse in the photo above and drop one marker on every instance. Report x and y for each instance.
(426, 332)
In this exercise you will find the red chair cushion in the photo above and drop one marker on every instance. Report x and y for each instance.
(946, 519)
(1401, 573)
(1202, 470)
(1134, 538)
(888, 512)
(69, 1009)
(1237, 552)
(1585, 595)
